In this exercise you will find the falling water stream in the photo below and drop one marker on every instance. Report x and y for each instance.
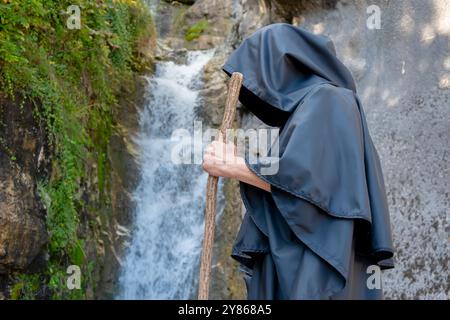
(163, 256)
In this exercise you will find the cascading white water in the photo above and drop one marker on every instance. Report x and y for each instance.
(163, 257)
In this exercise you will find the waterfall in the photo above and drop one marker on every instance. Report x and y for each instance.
(162, 259)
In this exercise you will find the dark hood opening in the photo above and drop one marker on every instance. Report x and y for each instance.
(281, 63)
(261, 109)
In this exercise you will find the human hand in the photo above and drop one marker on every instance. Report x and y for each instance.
(220, 160)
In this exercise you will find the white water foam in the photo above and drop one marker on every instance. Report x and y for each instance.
(163, 256)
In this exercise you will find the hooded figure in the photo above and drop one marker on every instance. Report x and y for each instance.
(323, 232)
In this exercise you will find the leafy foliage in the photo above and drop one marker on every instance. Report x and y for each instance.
(196, 30)
(74, 78)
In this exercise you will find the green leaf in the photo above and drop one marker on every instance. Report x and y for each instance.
(77, 255)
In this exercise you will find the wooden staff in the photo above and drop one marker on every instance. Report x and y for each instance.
(211, 190)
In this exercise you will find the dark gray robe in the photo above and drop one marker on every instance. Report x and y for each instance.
(326, 218)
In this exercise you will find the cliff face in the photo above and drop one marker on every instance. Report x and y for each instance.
(109, 241)
(104, 217)
(22, 216)
(403, 75)
(67, 164)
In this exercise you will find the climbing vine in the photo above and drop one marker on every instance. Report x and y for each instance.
(74, 78)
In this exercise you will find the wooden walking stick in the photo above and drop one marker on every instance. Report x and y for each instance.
(211, 190)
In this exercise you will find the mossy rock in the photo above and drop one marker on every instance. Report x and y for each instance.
(196, 30)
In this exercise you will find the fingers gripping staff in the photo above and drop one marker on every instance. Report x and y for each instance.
(211, 190)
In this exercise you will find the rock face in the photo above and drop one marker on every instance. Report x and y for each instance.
(403, 76)
(23, 159)
(116, 219)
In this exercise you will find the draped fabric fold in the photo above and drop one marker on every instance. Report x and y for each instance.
(326, 218)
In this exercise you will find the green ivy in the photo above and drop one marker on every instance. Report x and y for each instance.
(26, 287)
(74, 78)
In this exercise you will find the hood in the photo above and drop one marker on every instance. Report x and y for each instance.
(280, 64)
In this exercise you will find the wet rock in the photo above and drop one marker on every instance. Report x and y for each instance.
(174, 21)
(116, 221)
(217, 13)
(214, 91)
(23, 160)
(227, 281)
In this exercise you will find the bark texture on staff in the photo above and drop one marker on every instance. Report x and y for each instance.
(211, 190)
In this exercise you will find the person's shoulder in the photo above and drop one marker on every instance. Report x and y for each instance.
(328, 90)
(330, 96)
